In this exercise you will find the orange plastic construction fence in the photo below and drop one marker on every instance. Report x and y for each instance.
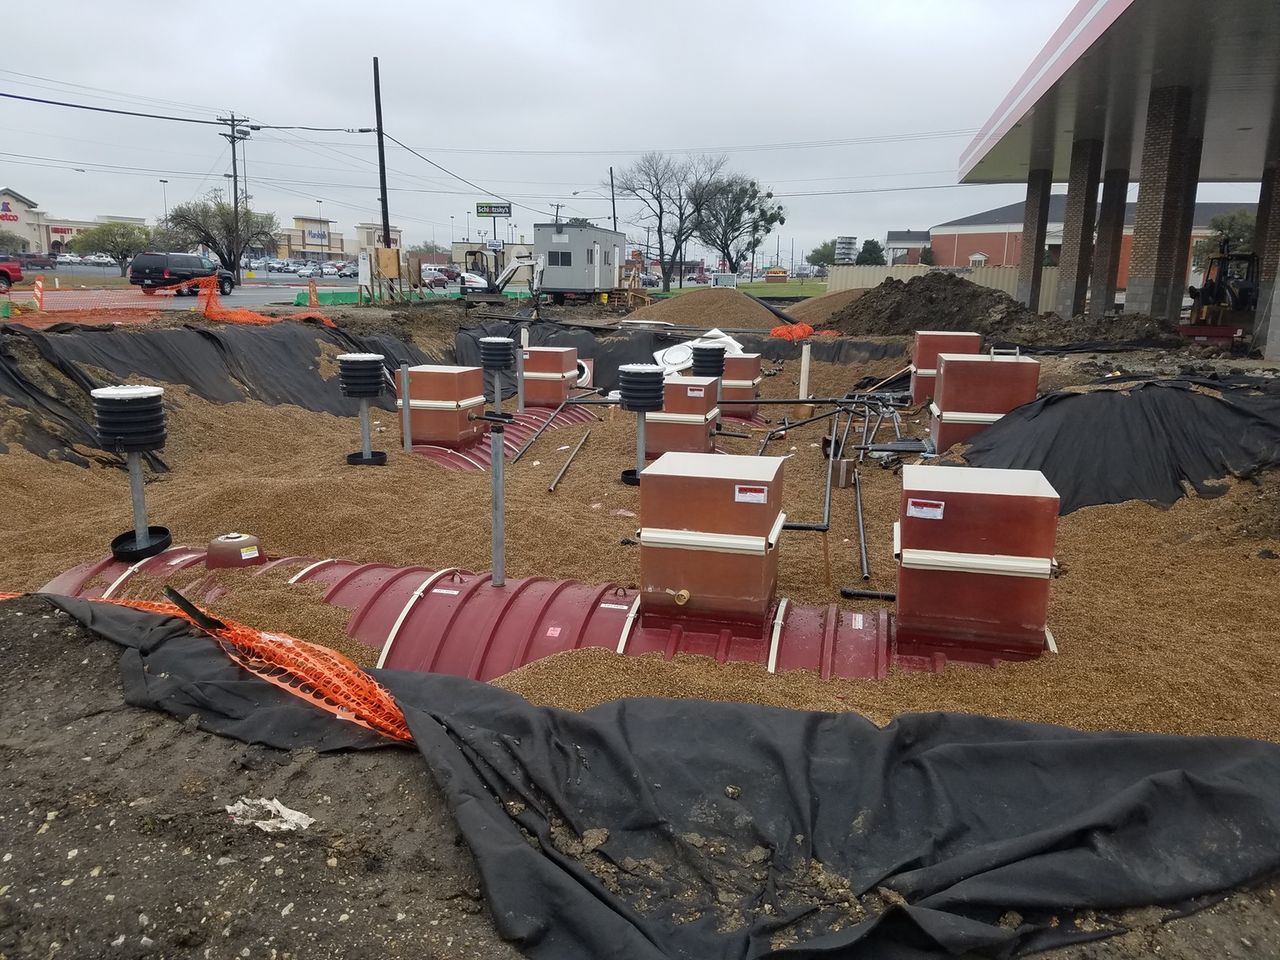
(792, 331)
(323, 677)
(212, 308)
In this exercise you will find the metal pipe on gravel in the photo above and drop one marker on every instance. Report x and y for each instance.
(565, 468)
(862, 526)
(855, 594)
(537, 433)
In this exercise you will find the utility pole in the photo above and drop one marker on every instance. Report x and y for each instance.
(233, 138)
(382, 156)
(557, 206)
(792, 273)
(613, 201)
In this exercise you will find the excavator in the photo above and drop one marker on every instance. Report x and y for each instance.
(1223, 306)
(492, 292)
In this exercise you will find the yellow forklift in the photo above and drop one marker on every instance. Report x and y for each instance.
(1223, 306)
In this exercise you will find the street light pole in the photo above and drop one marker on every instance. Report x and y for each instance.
(320, 217)
(164, 192)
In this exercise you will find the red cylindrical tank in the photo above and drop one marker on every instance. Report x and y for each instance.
(234, 550)
(456, 622)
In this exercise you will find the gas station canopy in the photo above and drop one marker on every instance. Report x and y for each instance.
(1092, 79)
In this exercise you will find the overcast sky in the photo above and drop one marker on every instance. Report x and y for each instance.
(531, 101)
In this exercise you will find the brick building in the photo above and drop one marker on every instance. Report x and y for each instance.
(993, 238)
(1167, 94)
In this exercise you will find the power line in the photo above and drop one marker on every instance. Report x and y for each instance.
(102, 93)
(738, 148)
(464, 179)
(160, 116)
(123, 113)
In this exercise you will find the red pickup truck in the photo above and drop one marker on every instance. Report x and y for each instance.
(10, 272)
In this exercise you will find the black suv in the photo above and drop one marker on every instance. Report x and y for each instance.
(152, 270)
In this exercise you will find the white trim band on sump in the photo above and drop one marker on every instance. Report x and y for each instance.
(571, 375)
(987, 563)
(715, 542)
(742, 384)
(466, 404)
(661, 416)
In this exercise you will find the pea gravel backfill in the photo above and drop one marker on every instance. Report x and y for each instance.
(1166, 618)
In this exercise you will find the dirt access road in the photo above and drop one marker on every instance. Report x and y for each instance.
(116, 843)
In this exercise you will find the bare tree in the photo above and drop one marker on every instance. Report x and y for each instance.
(736, 218)
(672, 194)
(211, 222)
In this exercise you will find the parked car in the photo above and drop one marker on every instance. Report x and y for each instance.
(275, 266)
(433, 278)
(10, 272)
(37, 261)
(68, 258)
(650, 280)
(153, 270)
(696, 278)
(328, 270)
(308, 270)
(257, 264)
(100, 260)
(349, 270)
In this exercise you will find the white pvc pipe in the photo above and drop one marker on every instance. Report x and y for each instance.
(805, 351)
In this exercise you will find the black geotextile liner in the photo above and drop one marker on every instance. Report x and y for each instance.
(274, 364)
(753, 831)
(612, 350)
(1141, 443)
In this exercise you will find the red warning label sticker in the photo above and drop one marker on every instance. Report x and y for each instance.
(925, 509)
(742, 493)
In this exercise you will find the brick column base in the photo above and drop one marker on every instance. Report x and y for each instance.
(1076, 258)
(1035, 224)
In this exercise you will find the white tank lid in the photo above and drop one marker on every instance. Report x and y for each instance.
(496, 340)
(642, 368)
(360, 356)
(131, 391)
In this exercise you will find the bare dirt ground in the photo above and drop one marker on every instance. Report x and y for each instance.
(116, 841)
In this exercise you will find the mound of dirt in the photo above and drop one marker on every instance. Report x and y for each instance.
(713, 307)
(819, 311)
(945, 301)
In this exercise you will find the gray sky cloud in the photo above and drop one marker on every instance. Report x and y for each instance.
(533, 101)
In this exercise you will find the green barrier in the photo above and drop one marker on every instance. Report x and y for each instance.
(4, 309)
(334, 297)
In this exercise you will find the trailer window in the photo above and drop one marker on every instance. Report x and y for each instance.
(591, 257)
(560, 258)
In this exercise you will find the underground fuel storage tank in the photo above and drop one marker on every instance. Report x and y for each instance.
(457, 622)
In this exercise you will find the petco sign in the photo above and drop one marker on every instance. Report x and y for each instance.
(6, 213)
(321, 235)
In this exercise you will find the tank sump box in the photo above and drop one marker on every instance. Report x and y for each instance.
(687, 418)
(550, 373)
(234, 550)
(975, 556)
(742, 378)
(442, 400)
(976, 390)
(924, 358)
(709, 536)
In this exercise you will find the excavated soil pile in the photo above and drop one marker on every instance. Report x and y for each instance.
(713, 307)
(820, 311)
(944, 301)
